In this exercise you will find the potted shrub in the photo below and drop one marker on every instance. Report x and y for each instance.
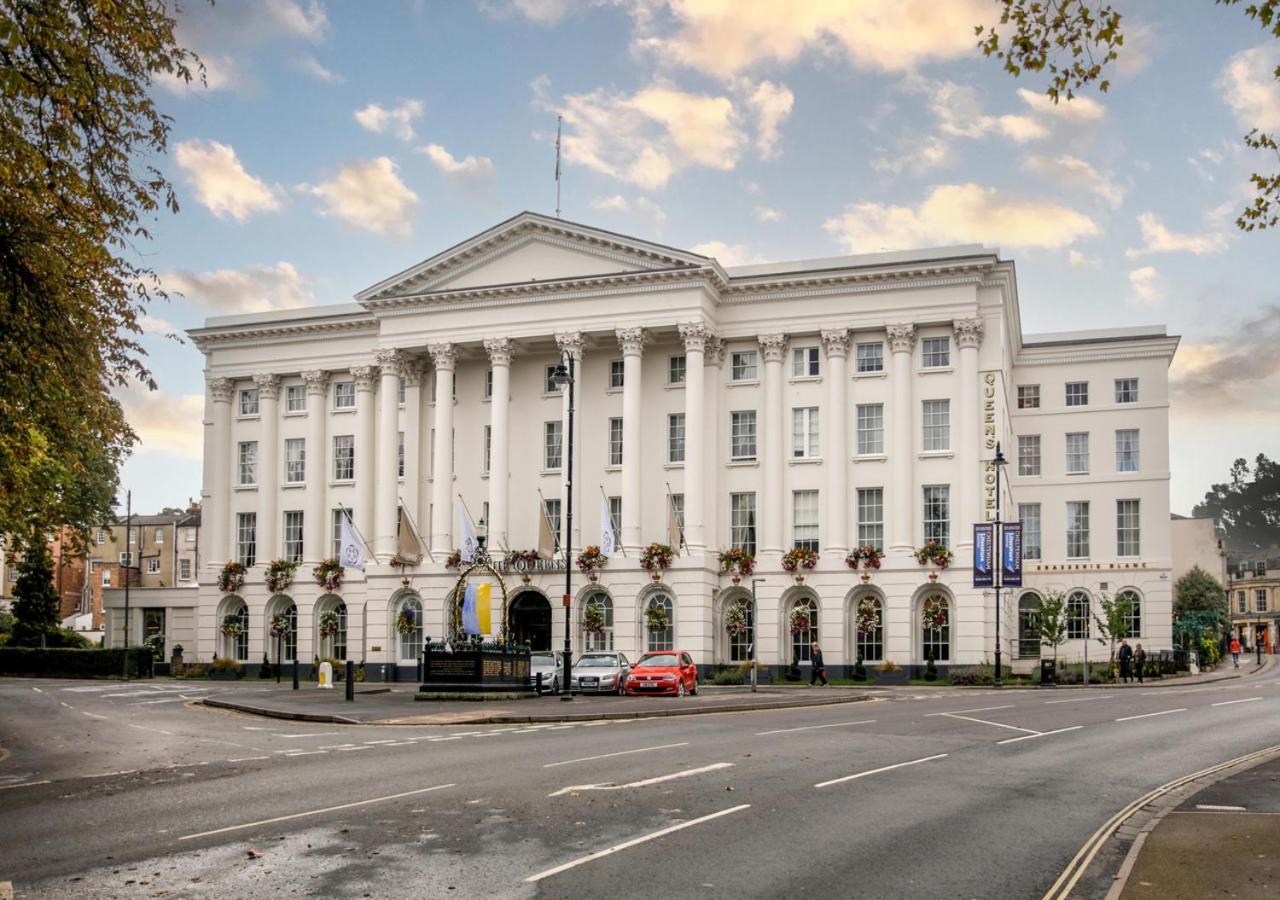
(736, 563)
(889, 672)
(590, 561)
(231, 578)
(656, 559)
(930, 668)
(176, 654)
(799, 558)
(225, 668)
(280, 575)
(328, 574)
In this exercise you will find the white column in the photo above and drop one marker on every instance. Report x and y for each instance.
(410, 490)
(218, 516)
(315, 521)
(902, 450)
(968, 334)
(836, 455)
(572, 343)
(772, 435)
(632, 341)
(443, 357)
(268, 467)
(695, 335)
(715, 431)
(387, 477)
(500, 351)
(366, 378)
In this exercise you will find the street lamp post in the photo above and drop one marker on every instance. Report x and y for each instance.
(563, 377)
(754, 582)
(998, 569)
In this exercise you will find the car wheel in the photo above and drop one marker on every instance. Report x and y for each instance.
(555, 685)
(622, 688)
(680, 690)
(694, 689)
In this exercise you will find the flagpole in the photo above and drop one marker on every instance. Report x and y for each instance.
(414, 525)
(546, 517)
(352, 522)
(559, 125)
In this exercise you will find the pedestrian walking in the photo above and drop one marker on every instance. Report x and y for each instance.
(1235, 652)
(819, 670)
(1139, 661)
(1126, 661)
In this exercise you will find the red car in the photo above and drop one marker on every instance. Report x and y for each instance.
(663, 672)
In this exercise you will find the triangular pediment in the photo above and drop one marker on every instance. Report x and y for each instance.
(532, 248)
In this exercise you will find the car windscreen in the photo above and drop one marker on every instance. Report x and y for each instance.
(658, 661)
(597, 662)
(542, 659)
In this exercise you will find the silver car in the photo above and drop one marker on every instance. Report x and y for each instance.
(550, 666)
(599, 672)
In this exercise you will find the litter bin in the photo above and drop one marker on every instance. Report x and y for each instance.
(1048, 675)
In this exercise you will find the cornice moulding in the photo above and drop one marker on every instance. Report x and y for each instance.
(279, 332)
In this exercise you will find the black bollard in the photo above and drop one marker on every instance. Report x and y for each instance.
(539, 688)
(295, 674)
(351, 680)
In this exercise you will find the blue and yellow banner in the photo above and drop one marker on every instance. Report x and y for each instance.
(983, 555)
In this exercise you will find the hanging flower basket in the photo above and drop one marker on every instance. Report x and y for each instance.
(868, 617)
(280, 626)
(735, 619)
(231, 578)
(736, 562)
(526, 559)
(329, 574)
(934, 614)
(593, 618)
(328, 624)
(868, 557)
(232, 626)
(799, 558)
(407, 621)
(454, 560)
(591, 560)
(657, 557)
(934, 552)
(800, 620)
(655, 617)
(280, 575)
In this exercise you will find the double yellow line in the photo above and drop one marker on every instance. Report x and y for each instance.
(1066, 882)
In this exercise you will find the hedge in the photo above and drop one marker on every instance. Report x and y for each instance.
(61, 662)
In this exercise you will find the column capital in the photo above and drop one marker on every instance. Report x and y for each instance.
(221, 389)
(836, 341)
(773, 346)
(443, 355)
(268, 385)
(413, 370)
(632, 340)
(902, 337)
(391, 360)
(316, 380)
(500, 351)
(696, 335)
(968, 332)
(714, 355)
(366, 377)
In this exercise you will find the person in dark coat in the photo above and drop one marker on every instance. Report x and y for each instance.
(1139, 661)
(1126, 661)
(819, 670)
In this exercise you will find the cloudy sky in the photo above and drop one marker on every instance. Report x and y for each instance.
(336, 143)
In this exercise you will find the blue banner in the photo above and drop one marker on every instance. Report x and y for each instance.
(1011, 555)
(983, 555)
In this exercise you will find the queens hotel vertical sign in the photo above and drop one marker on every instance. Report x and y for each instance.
(989, 443)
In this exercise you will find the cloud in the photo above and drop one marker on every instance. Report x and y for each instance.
(221, 183)
(767, 214)
(1079, 110)
(958, 111)
(1076, 258)
(727, 254)
(643, 207)
(397, 120)
(916, 156)
(960, 213)
(255, 289)
(646, 137)
(1237, 373)
(166, 424)
(1076, 173)
(1250, 88)
(1146, 289)
(616, 203)
(309, 65)
(154, 325)
(1159, 239)
(369, 195)
(771, 105)
(544, 12)
(290, 18)
(725, 37)
(220, 73)
(475, 171)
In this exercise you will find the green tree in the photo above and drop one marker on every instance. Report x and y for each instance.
(1246, 509)
(1075, 41)
(35, 601)
(1113, 624)
(1199, 592)
(1051, 622)
(78, 136)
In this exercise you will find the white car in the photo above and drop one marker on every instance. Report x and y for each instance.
(551, 666)
(602, 673)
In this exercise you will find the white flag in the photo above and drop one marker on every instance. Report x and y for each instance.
(469, 544)
(352, 548)
(608, 543)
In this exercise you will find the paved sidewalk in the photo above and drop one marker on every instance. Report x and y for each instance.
(395, 705)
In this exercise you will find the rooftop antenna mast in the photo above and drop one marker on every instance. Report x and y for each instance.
(559, 123)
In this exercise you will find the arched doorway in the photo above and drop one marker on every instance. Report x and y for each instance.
(1028, 628)
(531, 620)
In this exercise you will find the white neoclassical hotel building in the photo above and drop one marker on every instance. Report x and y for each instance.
(827, 403)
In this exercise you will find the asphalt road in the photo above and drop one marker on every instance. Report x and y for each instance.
(115, 790)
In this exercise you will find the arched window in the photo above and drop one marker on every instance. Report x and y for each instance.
(1028, 626)
(657, 609)
(802, 622)
(597, 626)
(287, 641)
(1077, 616)
(409, 628)
(340, 637)
(739, 623)
(868, 627)
(935, 621)
(237, 645)
(1134, 620)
